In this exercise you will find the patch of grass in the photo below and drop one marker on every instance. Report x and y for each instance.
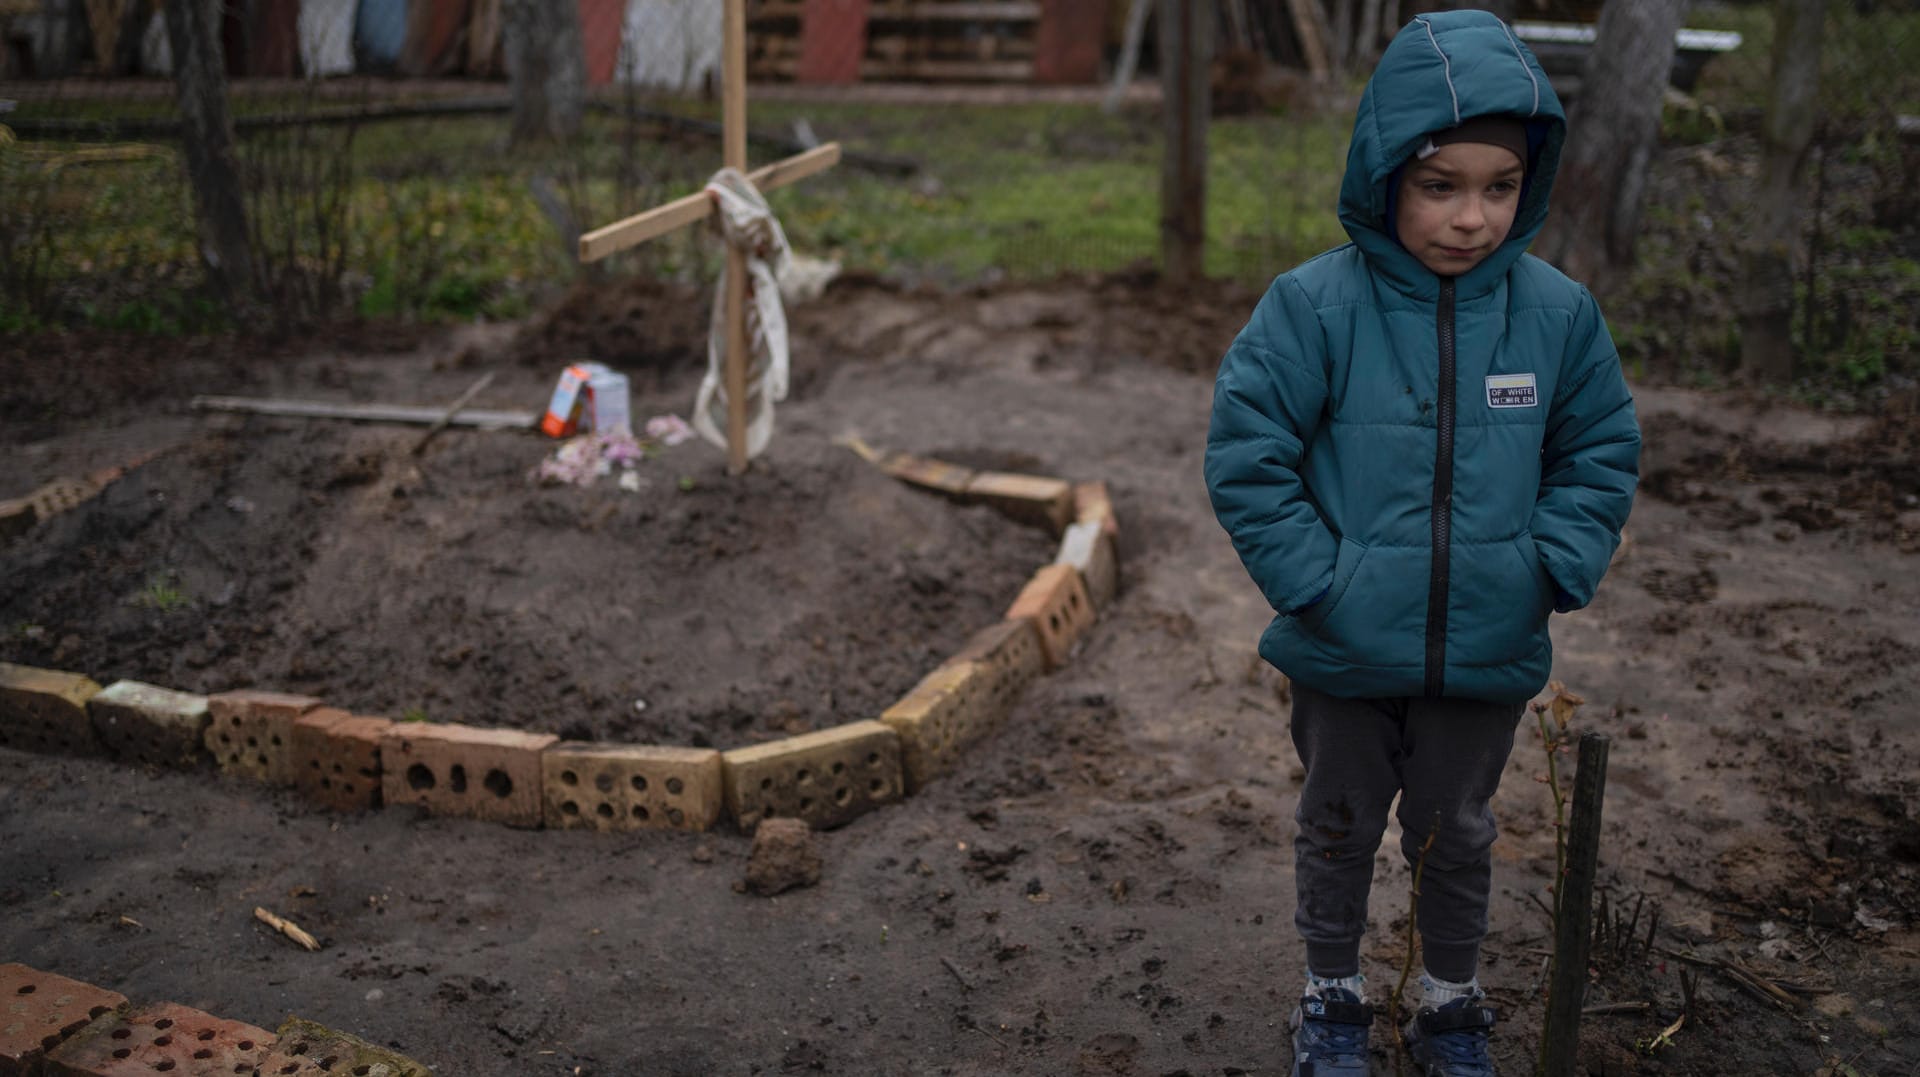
(441, 220)
(162, 594)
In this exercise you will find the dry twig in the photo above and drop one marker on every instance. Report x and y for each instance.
(286, 927)
(1605, 1008)
(1413, 919)
(965, 983)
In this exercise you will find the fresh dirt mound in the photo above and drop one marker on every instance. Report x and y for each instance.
(698, 610)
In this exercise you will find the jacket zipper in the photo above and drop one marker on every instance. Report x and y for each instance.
(1442, 501)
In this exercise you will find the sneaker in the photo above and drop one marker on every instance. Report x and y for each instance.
(1330, 1035)
(1452, 1040)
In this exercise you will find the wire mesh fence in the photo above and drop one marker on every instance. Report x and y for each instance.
(375, 142)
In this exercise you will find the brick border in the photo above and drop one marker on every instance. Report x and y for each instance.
(825, 777)
(55, 1024)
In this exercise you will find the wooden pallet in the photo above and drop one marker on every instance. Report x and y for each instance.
(918, 40)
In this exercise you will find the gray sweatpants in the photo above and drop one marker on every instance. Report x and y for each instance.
(1443, 758)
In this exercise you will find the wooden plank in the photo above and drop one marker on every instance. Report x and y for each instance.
(733, 107)
(921, 11)
(382, 413)
(909, 46)
(681, 212)
(798, 167)
(949, 70)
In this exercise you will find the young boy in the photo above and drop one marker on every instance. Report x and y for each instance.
(1421, 445)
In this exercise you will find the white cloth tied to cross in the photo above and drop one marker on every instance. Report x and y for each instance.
(747, 223)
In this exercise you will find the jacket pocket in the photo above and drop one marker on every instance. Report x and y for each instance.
(1543, 586)
(1346, 565)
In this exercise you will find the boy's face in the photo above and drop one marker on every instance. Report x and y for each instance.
(1457, 206)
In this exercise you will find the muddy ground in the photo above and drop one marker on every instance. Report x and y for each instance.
(1104, 888)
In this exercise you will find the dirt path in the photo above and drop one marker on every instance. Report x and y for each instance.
(1104, 889)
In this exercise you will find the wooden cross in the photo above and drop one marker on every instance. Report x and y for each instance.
(681, 212)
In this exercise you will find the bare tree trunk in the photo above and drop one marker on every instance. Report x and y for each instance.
(200, 81)
(1343, 20)
(1610, 139)
(547, 67)
(1766, 307)
(1367, 43)
(1186, 46)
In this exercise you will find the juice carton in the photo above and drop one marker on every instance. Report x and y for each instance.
(589, 396)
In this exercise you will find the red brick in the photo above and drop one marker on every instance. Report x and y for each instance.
(307, 1049)
(42, 1009)
(336, 758)
(1012, 658)
(1089, 548)
(492, 774)
(1055, 599)
(45, 710)
(143, 723)
(825, 778)
(1033, 499)
(251, 733)
(631, 787)
(162, 1038)
(1091, 502)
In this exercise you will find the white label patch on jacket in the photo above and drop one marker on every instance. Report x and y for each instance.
(1511, 391)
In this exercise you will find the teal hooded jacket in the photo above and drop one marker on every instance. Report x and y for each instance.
(1417, 470)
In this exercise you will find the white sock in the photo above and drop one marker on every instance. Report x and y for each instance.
(1317, 986)
(1435, 992)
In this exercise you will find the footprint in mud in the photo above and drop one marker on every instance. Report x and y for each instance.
(1109, 1055)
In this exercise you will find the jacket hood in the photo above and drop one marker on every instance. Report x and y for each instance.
(1441, 69)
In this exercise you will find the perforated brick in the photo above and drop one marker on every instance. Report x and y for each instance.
(1011, 656)
(491, 774)
(16, 517)
(1033, 499)
(251, 733)
(1056, 600)
(935, 475)
(1091, 502)
(1089, 548)
(336, 758)
(162, 1038)
(305, 1048)
(45, 710)
(590, 786)
(824, 778)
(950, 709)
(144, 723)
(40, 1010)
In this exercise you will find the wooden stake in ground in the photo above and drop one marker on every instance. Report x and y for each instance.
(660, 220)
(733, 119)
(1573, 918)
(453, 409)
